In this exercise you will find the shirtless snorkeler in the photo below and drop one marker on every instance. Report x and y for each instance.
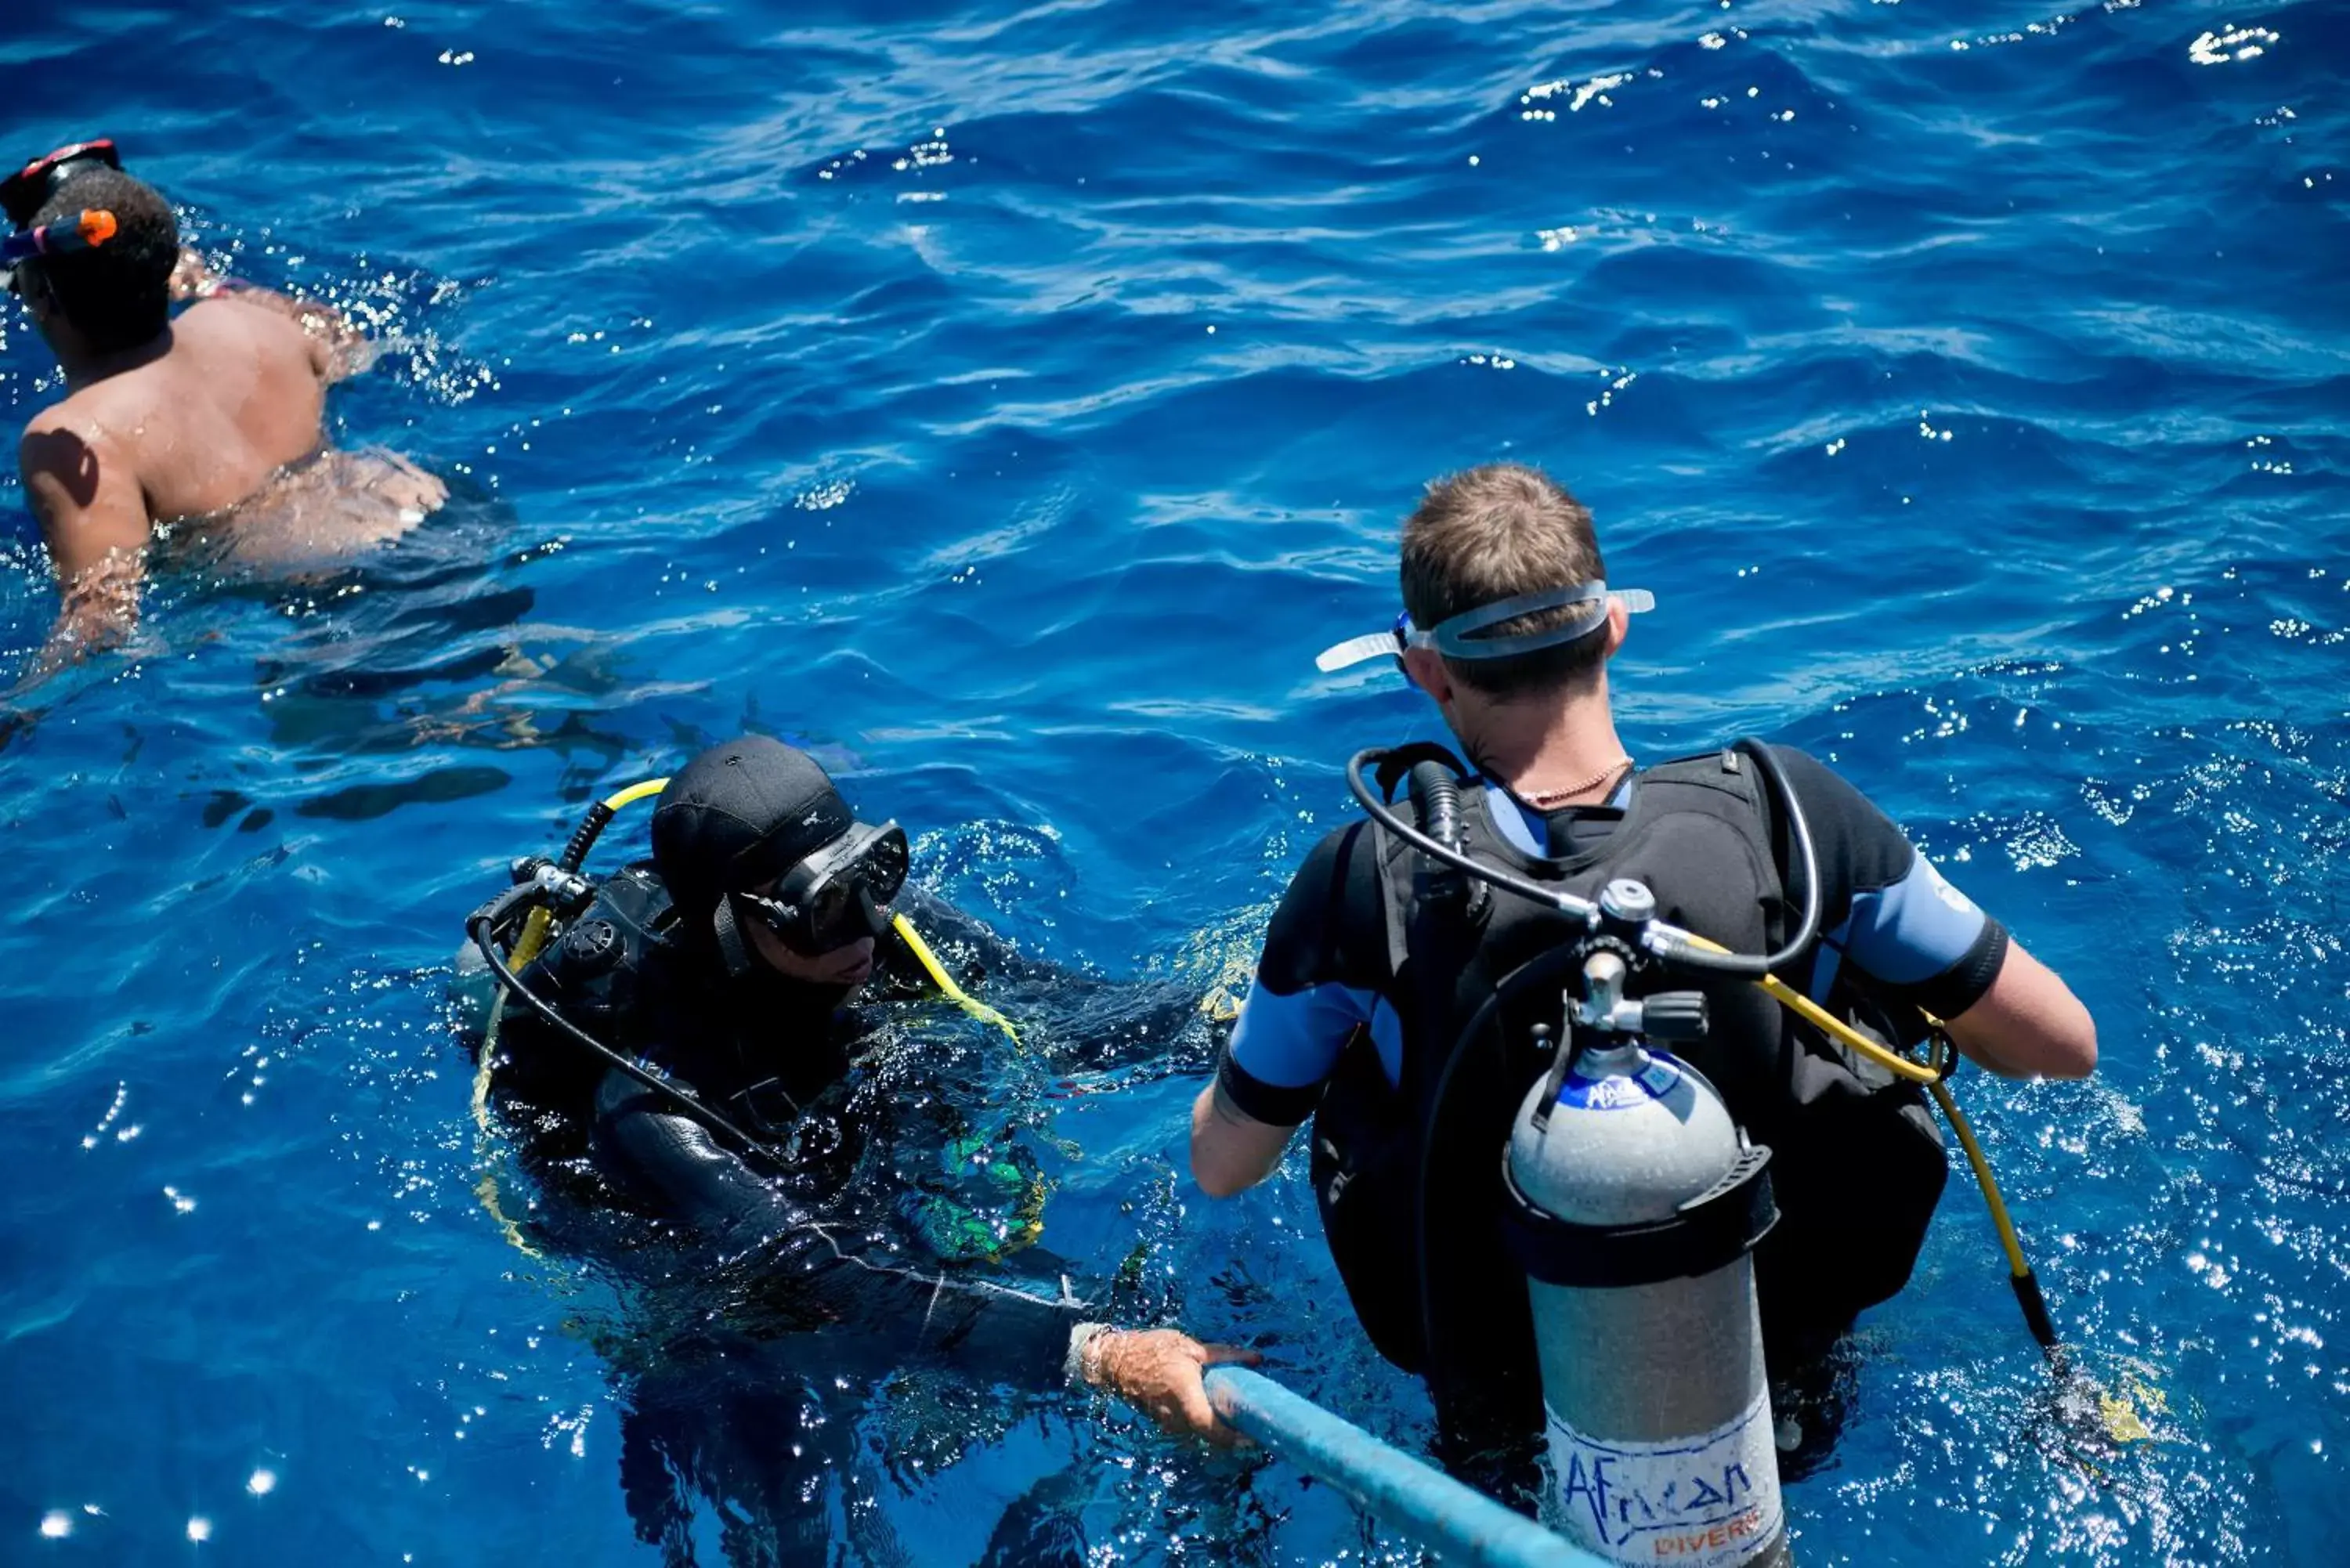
(207, 425)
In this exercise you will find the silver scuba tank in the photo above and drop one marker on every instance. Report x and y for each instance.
(1635, 1205)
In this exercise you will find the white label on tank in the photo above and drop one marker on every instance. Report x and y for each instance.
(1707, 1501)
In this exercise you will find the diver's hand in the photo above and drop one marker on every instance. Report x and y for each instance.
(1158, 1371)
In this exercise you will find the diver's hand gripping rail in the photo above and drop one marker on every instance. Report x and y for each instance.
(1462, 1525)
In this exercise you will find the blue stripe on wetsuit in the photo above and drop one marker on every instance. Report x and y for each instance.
(1901, 935)
(1509, 820)
(1292, 1042)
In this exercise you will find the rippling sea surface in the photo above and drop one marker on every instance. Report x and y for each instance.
(1008, 404)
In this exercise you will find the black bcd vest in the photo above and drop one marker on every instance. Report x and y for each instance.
(593, 971)
(1858, 1164)
(621, 972)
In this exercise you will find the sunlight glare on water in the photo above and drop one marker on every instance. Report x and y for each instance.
(1006, 405)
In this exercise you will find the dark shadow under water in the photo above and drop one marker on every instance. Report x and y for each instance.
(423, 641)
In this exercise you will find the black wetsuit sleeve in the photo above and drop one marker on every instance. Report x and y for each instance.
(1317, 983)
(824, 1276)
(701, 1185)
(1889, 919)
(1330, 924)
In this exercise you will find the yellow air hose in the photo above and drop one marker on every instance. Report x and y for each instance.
(1932, 1075)
(945, 981)
(526, 948)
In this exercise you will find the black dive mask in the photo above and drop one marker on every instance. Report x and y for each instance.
(22, 193)
(838, 895)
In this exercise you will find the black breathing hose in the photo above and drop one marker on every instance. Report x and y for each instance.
(1384, 815)
(481, 926)
(1746, 965)
(583, 837)
(1437, 794)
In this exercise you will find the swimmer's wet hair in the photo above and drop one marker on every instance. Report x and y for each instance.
(117, 295)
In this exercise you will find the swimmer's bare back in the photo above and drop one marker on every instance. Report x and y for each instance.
(211, 422)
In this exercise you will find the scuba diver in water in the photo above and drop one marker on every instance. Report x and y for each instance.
(672, 1042)
(1368, 988)
(210, 421)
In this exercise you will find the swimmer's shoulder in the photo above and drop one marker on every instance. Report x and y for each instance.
(81, 475)
(229, 323)
(125, 443)
(70, 435)
(267, 325)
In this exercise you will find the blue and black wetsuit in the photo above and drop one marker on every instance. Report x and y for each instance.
(1887, 912)
(1361, 994)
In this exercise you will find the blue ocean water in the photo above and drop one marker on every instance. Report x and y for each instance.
(1009, 403)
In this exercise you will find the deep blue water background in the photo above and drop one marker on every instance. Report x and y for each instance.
(1010, 403)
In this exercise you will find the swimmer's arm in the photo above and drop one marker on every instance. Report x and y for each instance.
(711, 1192)
(2029, 1023)
(705, 1185)
(93, 515)
(994, 1329)
(985, 1326)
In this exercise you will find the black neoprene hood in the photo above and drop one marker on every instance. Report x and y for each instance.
(740, 814)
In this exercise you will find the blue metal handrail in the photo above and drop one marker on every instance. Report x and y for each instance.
(1462, 1525)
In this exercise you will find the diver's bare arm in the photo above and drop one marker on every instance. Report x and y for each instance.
(2029, 1022)
(93, 516)
(1230, 1150)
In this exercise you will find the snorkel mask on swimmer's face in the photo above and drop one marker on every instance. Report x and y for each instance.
(840, 894)
(1471, 634)
(25, 192)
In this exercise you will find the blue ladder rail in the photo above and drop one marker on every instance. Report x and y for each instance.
(1462, 1525)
